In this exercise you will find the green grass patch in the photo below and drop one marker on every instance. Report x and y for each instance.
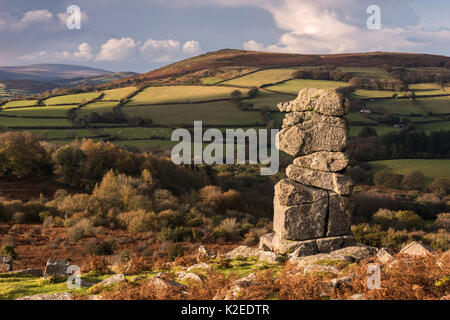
(395, 106)
(264, 99)
(366, 73)
(368, 94)
(117, 94)
(19, 103)
(358, 117)
(62, 133)
(97, 106)
(430, 168)
(44, 111)
(182, 94)
(211, 113)
(435, 126)
(33, 122)
(72, 98)
(436, 105)
(294, 86)
(211, 80)
(263, 77)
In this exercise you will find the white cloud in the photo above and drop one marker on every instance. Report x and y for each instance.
(160, 50)
(84, 52)
(117, 49)
(33, 17)
(192, 47)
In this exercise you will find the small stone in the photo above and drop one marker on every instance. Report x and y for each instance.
(336, 182)
(200, 266)
(164, 284)
(416, 249)
(248, 252)
(323, 161)
(314, 268)
(55, 296)
(117, 278)
(183, 276)
(355, 253)
(337, 282)
(385, 255)
(357, 296)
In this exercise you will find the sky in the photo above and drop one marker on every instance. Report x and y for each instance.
(141, 35)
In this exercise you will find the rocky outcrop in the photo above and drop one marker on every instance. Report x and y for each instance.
(312, 207)
(56, 268)
(55, 296)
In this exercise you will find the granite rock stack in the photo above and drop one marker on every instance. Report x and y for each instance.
(312, 207)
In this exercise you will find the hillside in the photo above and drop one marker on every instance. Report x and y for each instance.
(243, 58)
(49, 72)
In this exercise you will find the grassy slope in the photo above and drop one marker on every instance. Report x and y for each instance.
(72, 98)
(117, 94)
(263, 77)
(47, 111)
(430, 168)
(294, 86)
(181, 94)
(19, 103)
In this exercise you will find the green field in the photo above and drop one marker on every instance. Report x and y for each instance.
(430, 168)
(367, 73)
(436, 105)
(294, 86)
(421, 89)
(211, 113)
(435, 126)
(381, 130)
(210, 80)
(19, 103)
(260, 78)
(33, 122)
(97, 106)
(264, 99)
(368, 94)
(44, 111)
(395, 106)
(72, 98)
(138, 133)
(358, 117)
(117, 94)
(182, 94)
(147, 144)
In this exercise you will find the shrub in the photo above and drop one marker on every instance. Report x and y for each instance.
(443, 221)
(357, 174)
(440, 186)
(174, 251)
(138, 221)
(403, 219)
(370, 235)
(415, 180)
(8, 250)
(177, 234)
(367, 132)
(75, 233)
(99, 247)
(19, 217)
(387, 178)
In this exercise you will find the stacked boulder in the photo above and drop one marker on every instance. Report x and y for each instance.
(312, 207)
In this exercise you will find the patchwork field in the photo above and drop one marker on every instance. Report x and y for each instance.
(358, 117)
(69, 133)
(294, 86)
(44, 111)
(211, 113)
(98, 106)
(33, 122)
(421, 89)
(260, 78)
(430, 168)
(182, 94)
(138, 133)
(268, 100)
(395, 106)
(117, 94)
(369, 94)
(436, 105)
(19, 103)
(72, 98)
(367, 73)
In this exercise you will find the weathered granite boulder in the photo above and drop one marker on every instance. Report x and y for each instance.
(328, 102)
(292, 193)
(385, 255)
(200, 266)
(56, 268)
(323, 161)
(339, 183)
(416, 249)
(6, 263)
(188, 277)
(304, 133)
(117, 278)
(247, 252)
(340, 209)
(301, 222)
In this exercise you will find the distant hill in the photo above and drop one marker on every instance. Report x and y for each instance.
(243, 58)
(36, 78)
(49, 72)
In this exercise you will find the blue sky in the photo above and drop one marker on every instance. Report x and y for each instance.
(140, 35)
